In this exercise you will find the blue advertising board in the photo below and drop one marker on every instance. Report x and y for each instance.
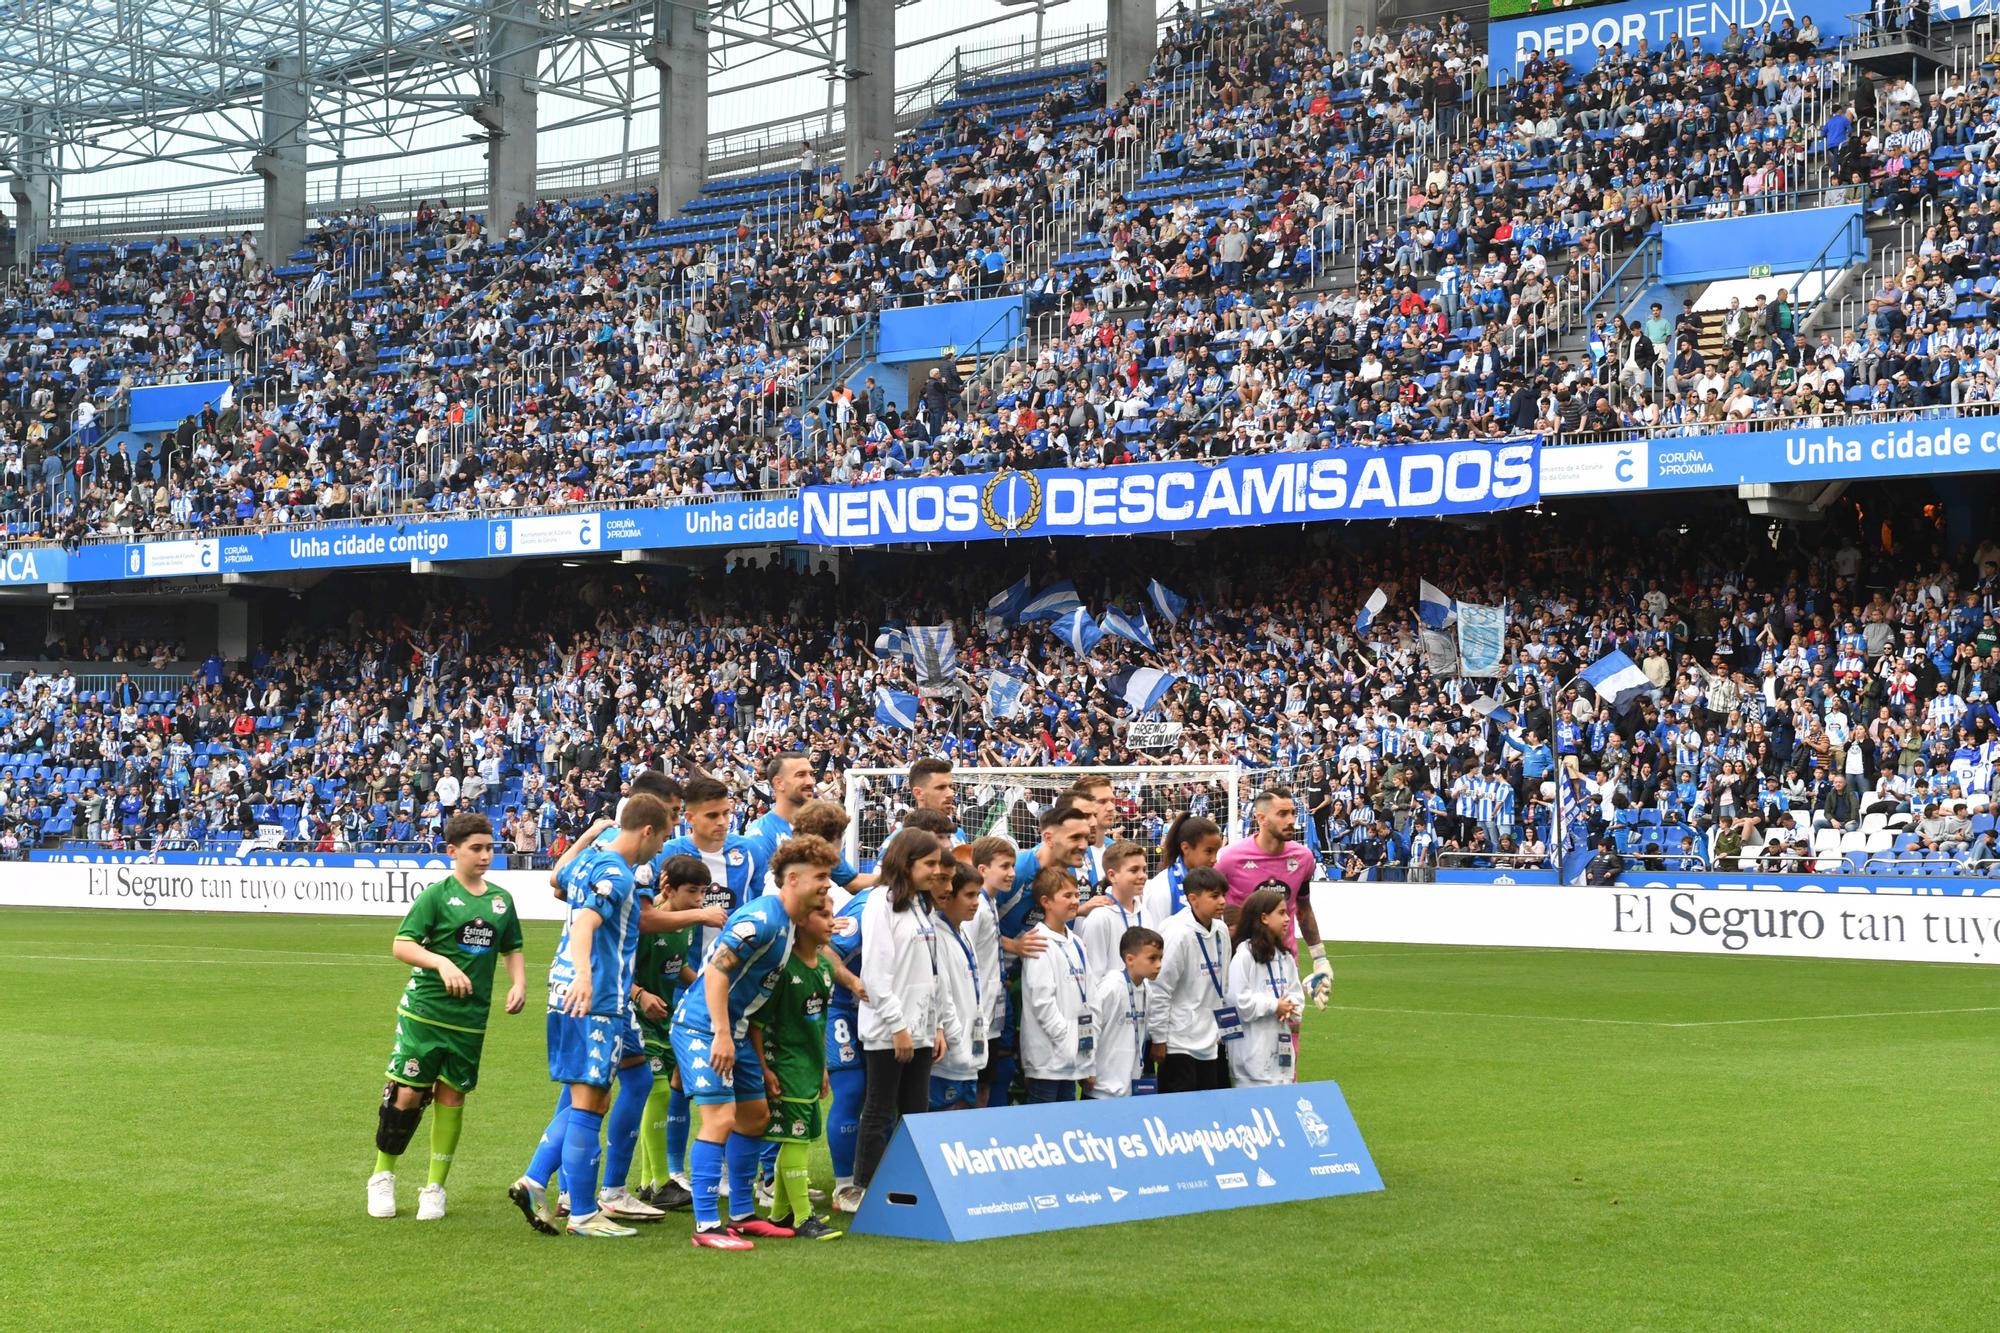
(356, 545)
(99, 856)
(1410, 481)
(1879, 880)
(1016, 1170)
(1789, 242)
(165, 406)
(1577, 33)
(952, 328)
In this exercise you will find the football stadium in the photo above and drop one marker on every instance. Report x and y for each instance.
(992, 661)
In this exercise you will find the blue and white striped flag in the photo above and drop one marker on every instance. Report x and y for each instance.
(1133, 629)
(893, 708)
(892, 642)
(1433, 607)
(1052, 603)
(1003, 695)
(1079, 631)
(1482, 639)
(1370, 609)
(1006, 605)
(1141, 687)
(933, 655)
(1617, 680)
(1166, 601)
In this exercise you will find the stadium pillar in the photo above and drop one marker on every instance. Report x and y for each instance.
(508, 112)
(281, 160)
(680, 52)
(1131, 37)
(32, 183)
(1343, 17)
(871, 84)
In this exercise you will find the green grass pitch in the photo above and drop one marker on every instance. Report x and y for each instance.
(1570, 1140)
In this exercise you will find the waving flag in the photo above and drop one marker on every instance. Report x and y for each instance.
(1141, 687)
(1617, 680)
(1370, 609)
(1433, 607)
(1492, 710)
(1133, 629)
(1052, 603)
(1079, 631)
(1006, 605)
(1166, 601)
(1003, 695)
(1482, 639)
(932, 653)
(893, 708)
(892, 643)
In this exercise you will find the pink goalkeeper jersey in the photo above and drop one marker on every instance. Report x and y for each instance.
(1249, 868)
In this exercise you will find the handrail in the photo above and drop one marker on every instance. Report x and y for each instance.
(1647, 256)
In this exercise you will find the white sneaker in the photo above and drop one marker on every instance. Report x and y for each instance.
(847, 1199)
(382, 1194)
(767, 1195)
(597, 1224)
(683, 1181)
(430, 1203)
(622, 1207)
(562, 1204)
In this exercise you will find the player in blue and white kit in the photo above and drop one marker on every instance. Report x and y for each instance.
(590, 1025)
(729, 856)
(844, 1073)
(793, 787)
(712, 1022)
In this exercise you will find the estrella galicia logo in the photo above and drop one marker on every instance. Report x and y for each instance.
(1011, 501)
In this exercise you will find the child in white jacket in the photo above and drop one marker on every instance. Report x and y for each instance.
(966, 988)
(1058, 1028)
(1264, 987)
(1119, 1003)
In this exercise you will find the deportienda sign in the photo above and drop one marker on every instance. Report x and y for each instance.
(1405, 482)
(1670, 918)
(1012, 1170)
(1576, 33)
(385, 891)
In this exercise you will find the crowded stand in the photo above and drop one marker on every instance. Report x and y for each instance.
(1824, 704)
(1354, 245)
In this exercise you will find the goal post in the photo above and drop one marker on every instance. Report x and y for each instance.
(1010, 801)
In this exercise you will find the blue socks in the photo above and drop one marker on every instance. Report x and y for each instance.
(767, 1161)
(548, 1153)
(705, 1175)
(843, 1119)
(742, 1154)
(678, 1123)
(579, 1160)
(635, 1085)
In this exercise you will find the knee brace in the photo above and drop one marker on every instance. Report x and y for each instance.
(396, 1125)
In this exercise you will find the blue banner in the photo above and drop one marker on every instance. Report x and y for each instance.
(1919, 881)
(398, 541)
(95, 856)
(1410, 481)
(165, 406)
(1016, 1170)
(1576, 33)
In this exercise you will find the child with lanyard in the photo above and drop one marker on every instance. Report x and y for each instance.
(1193, 843)
(955, 1074)
(1264, 986)
(1188, 1013)
(1058, 1037)
(1125, 885)
(1119, 1007)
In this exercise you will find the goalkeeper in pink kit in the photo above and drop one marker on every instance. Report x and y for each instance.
(1273, 858)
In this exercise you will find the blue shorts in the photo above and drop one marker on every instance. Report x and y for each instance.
(589, 1050)
(699, 1082)
(843, 1043)
(950, 1093)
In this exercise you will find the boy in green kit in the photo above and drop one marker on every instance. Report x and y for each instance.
(790, 1041)
(451, 937)
(664, 967)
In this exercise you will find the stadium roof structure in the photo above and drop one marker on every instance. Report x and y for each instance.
(105, 101)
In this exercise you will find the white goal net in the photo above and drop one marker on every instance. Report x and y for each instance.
(1010, 801)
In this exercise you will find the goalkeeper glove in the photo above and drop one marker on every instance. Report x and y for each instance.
(1320, 981)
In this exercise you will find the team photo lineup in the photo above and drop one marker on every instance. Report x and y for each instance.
(720, 1002)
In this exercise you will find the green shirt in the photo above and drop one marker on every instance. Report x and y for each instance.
(794, 1022)
(471, 929)
(658, 970)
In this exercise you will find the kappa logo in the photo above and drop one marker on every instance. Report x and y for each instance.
(1318, 1132)
(454, 901)
(1264, 1180)
(1011, 501)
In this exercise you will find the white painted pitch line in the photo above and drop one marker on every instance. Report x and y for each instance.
(1661, 1023)
(359, 961)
